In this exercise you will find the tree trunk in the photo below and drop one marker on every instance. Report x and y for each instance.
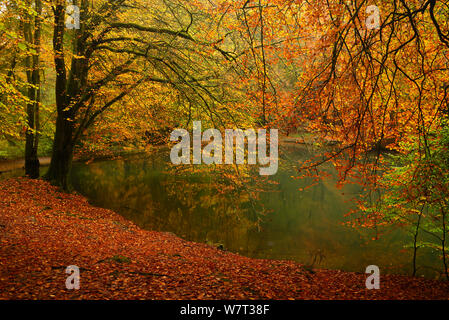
(32, 33)
(415, 241)
(62, 154)
(61, 160)
(68, 90)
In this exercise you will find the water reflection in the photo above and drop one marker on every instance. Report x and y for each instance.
(305, 226)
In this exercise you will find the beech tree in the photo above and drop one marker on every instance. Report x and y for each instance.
(31, 26)
(120, 46)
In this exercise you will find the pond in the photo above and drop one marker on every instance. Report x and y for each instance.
(302, 225)
(306, 226)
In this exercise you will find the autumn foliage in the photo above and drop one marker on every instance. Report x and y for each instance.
(43, 234)
(374, 101)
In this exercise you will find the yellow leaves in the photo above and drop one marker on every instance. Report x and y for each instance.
(78, 57)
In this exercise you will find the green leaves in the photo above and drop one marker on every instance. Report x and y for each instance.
(22, 46)
(414, 192)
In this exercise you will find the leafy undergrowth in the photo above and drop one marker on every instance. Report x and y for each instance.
(42, 231)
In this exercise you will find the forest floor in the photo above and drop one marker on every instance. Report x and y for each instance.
(42, 231)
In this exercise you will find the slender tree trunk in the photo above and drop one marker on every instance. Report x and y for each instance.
(443, 245)
(32, 33)
(264, 80)
(415, 241)
(37, 79)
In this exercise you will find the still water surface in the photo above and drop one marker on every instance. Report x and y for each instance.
(306, 226)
